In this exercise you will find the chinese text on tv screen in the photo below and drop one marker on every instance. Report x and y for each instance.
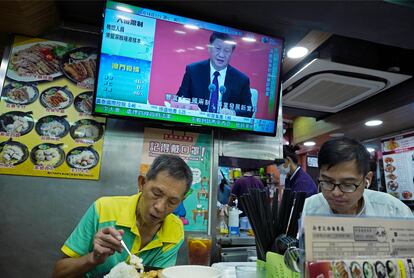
(166, 67)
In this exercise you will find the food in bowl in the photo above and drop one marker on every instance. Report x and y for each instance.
(190, 271)
(133, 269)
(356, 270)
(389, 168)
(368, 270)
(341, 270)
(380, 270)
(392, 185)
(391, 269)
(407, 195)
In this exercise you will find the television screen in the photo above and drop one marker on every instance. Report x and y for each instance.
(166, 67)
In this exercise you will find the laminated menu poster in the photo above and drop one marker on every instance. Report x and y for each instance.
(336, 238)
(398, 159)
(362, 268)
(194, 148)
(46, 126)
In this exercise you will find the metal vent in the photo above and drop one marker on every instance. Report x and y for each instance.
(330, 87)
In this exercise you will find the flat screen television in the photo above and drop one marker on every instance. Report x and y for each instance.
(160, 66)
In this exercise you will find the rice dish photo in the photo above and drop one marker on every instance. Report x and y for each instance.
(35, 60)
(341, 270)
(380, 270)
(356, 270)
(88, 131)
(83, 103)
(392, 185)
(56, 97)
(12, 154)
(389, 168)
(82, 158)
(47, 155)
(52, 129)
(368, 270)
(52, 126)
(392, 176)
(79, 65)
(391, 269)
(16, 122)
(19, 93)
(407, 195)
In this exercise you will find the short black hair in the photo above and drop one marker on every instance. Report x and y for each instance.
(221, 36)
(338, 150)
(175, 167)
(290, 151)
(248, 169)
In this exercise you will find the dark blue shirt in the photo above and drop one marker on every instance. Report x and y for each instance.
(223, 196)
(301, 181)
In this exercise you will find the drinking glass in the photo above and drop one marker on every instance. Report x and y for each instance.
(199, 249)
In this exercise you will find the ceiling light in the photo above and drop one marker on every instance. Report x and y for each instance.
(373, 123)
(297, 52)
(199, 47)
(309, 144)
(249, 39)
(124, 9)
(371, 150)
(192, 27)
(179, 32)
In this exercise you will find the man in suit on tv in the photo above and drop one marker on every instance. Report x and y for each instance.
(214, 85)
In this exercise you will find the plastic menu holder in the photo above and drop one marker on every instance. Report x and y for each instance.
(276, 267)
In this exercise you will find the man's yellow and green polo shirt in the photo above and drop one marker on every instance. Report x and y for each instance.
(119, 212)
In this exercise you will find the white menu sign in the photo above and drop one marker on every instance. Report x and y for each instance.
(398, 158)
(338, 238)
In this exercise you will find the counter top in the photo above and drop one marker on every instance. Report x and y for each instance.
(242, 240)
(228, 268)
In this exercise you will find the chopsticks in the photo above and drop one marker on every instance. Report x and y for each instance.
(297, 210)
(273, 225)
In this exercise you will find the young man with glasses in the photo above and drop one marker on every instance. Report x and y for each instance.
(343, 179)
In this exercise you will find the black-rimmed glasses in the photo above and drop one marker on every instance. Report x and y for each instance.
(344, 187)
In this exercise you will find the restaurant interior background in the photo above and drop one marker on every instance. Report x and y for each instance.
(39, 213)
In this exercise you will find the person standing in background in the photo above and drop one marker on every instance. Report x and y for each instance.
(242, 186)
(223, 192)
(296, 178)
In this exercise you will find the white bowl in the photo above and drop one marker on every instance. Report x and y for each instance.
(190, 271)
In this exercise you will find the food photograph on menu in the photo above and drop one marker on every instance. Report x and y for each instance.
(398, 161)
(46, 123)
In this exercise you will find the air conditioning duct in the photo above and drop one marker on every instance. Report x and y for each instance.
(327, 86)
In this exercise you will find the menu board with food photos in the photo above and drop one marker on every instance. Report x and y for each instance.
(358, 247)
(398, 159)
(46, 126)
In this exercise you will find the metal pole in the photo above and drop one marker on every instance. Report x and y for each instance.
(212, 217)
